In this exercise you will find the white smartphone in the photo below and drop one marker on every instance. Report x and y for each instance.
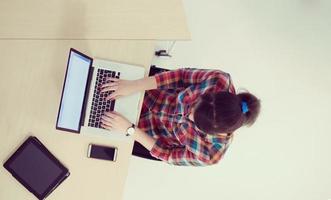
(102, 152)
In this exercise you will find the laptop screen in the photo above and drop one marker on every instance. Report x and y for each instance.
(74, 91)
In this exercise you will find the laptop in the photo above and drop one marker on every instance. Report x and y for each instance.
(82, 104)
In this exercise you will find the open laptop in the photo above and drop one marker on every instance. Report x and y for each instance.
(82, 104)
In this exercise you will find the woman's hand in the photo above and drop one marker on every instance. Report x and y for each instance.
(114, 121)
(120, 88)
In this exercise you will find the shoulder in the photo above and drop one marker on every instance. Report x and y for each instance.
(221, 138)
(224, 80)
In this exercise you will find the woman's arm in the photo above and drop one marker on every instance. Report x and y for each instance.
(115, 121)
(195, 150)
(121, 87)
(185, 77)
(147, 83)
(174, 79)
(143, 138)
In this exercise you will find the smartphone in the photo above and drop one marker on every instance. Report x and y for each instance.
(102, 152)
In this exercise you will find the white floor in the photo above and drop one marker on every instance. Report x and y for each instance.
(280, 51)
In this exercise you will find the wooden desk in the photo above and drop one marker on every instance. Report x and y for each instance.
(93, 19)
(31, 78)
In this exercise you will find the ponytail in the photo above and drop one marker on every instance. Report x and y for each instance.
(253, 107)
(224, 112)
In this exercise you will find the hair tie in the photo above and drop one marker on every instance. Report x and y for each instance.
(244, 107)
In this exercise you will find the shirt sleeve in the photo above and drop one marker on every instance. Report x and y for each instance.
(185, 77)
(195, 151)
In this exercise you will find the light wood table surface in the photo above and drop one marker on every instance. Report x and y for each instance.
(31, 78)
(93, 19)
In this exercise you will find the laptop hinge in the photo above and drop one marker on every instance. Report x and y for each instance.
(87, 91)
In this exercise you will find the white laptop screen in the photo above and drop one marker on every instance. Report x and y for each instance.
(74, 92)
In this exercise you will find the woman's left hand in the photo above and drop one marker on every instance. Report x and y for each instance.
(114, 121)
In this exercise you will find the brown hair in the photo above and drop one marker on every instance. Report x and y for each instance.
(222, 112)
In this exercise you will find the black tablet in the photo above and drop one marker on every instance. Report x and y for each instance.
(36, 168)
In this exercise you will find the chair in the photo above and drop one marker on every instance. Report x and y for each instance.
(138, 149)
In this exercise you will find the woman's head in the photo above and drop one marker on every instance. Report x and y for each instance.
(225, 112)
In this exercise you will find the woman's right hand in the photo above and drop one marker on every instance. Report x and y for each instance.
(119, 87)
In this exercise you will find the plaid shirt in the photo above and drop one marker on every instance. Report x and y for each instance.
(165, 116)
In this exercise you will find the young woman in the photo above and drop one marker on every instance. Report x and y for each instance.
(189, 115)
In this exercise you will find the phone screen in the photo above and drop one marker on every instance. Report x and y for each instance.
(102, 152)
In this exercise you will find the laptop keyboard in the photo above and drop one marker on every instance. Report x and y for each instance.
(99, 102)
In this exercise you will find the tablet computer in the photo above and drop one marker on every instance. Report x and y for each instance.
(36, 168)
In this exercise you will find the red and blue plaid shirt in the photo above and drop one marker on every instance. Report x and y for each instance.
(165, 116)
